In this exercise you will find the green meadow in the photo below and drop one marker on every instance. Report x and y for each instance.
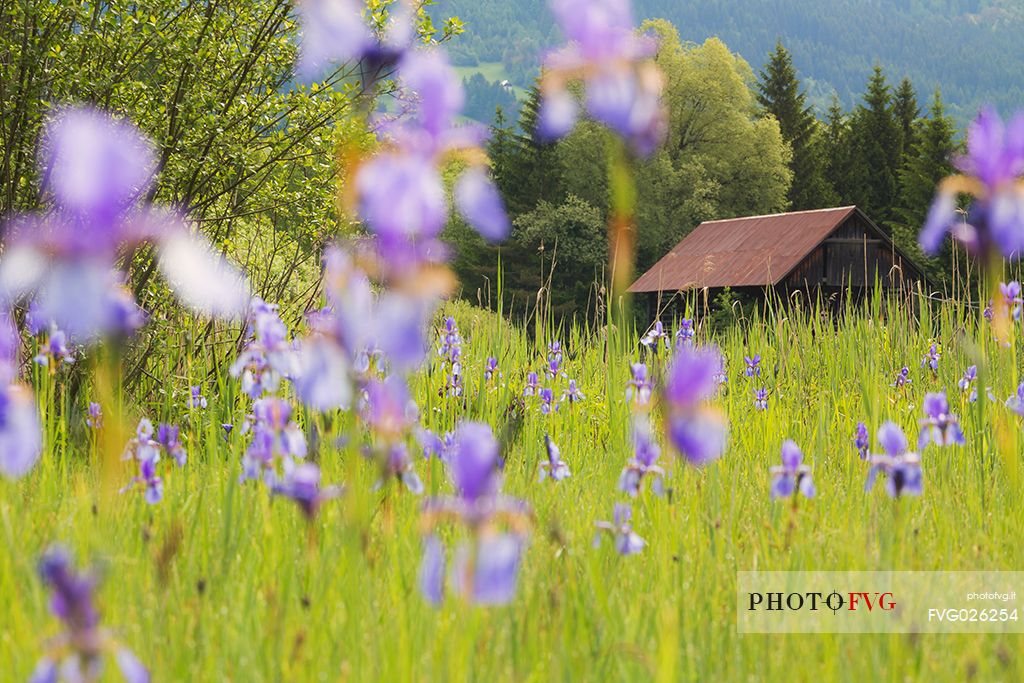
(222, 582)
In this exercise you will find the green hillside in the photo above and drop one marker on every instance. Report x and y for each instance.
(970, 48)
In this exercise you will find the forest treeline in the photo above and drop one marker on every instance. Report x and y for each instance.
(740, 142)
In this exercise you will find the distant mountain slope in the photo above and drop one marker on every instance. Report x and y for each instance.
(972, 49)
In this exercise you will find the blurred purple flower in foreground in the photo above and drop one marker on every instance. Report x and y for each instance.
(98, 170)
(401, 192)
(902, 468)
(21, 438)
(1016, 402)
(622, 84)
(302, 485)
(793, 475)
(697, 431)
(627, 542)
(862, 442)
(991, 173)
(939, 426)
(644, 463)
(486, 564)
(553, 467)
(76, 653)
(358, 333)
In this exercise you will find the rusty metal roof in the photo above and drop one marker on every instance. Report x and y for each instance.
(742, 252)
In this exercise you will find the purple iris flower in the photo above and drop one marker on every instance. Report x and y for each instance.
(196, 398)
(548, 404)
(389, 409)
(97, 170)
(333, 31)
(269, 356)
(761, 399)
(902, 468)
(451, 341)
(572, 394)
(55, 350)
(554, 466)
(793, 475)
(357, 330)
(753, 366)
(396, 464)
(302, 485)
(627, 542)
(435, 446)
(990, 173)
(555, 360)
(168, 438)
(76, 653)
(622, 85)
(1012, 301)
(966, 382)
(639, 388)
(931, 359)
(684, 335)
(532, 387)
(1016, 402)
(644, 463)
(95, 416)
(486, 565)
(453, 382)
(147, 451)
(862, 442)
(227, 427)
(21, 437)
(480, 203)
(902, 378)
(276, 441)
(939, 425)
(989, 312)
(475, 462)
(697, 431)
(401, 192)
(656, 336)
(491, 369)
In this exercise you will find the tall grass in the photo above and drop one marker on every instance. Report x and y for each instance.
(219, 582)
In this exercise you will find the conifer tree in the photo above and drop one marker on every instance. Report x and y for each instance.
(906, 111)
(779, 95)
(927, 163)
(836, 143)
(876, 151)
